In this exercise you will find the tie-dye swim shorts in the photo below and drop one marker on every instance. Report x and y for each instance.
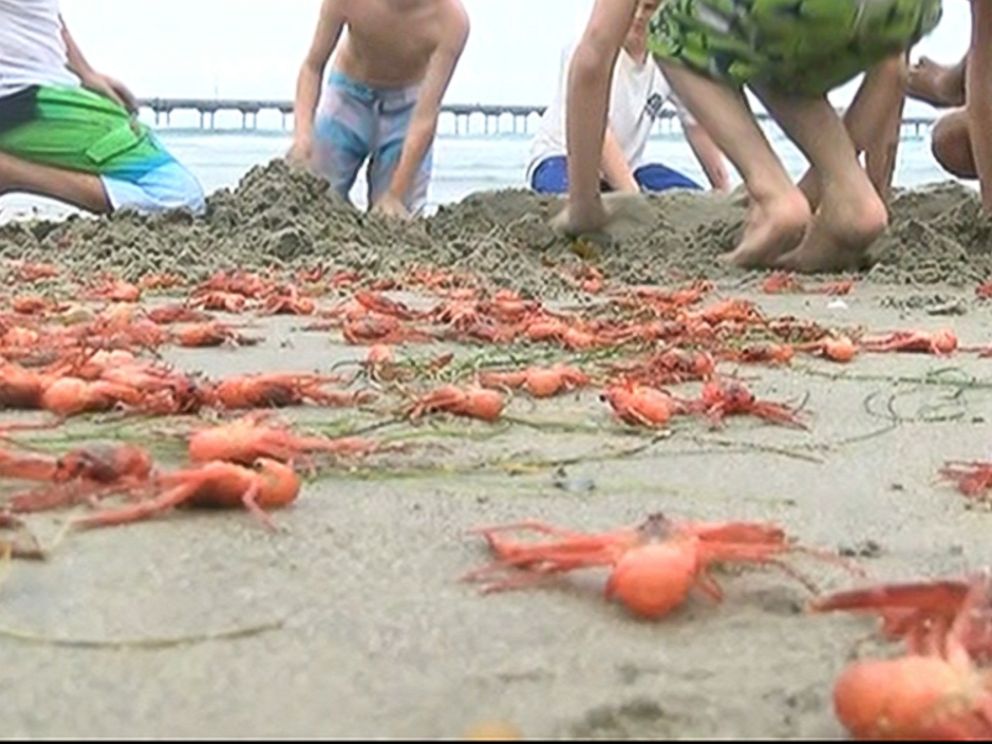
(357, 124)
(798, 47)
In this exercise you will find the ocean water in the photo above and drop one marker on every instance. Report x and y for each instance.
(463, 164)
(469, 163)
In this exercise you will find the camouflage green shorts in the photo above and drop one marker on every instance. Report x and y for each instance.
(800, 47)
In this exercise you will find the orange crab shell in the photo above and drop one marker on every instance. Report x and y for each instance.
(840, 349)
(640, 405)
(379, 355)
(545, 383)
(104, 464)
(479, 403)
(223, 485)
(914, 698)
(646, 591)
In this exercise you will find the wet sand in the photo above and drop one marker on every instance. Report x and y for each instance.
(352, 620)
(376, 637)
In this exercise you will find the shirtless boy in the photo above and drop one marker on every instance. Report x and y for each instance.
(382, 99)
(67, 132)
(710, 50)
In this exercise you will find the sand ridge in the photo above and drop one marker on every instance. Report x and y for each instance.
(281, 218)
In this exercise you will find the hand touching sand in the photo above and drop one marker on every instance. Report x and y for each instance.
(390, 206)
(300, 154)
(615, 215)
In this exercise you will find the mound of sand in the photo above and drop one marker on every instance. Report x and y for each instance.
(282, 218)
(938, 234)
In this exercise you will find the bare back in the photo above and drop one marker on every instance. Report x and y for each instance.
(389, 43)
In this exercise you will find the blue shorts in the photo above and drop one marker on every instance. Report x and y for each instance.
(355, 123)
(169, 186)
(551, 177)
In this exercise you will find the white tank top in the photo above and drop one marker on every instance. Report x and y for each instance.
(31, 48)
(639, 92)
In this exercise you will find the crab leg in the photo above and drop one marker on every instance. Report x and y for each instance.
(737, 532)
(748, 553)
(249, 500)
(140, 511)
(708, 585)
(46, 499)
(27, 467)
(945, 596)
(779, 415)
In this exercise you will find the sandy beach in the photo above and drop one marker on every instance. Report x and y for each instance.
(351, 622)
(281, 219)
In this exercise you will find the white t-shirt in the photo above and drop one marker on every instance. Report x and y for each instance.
(32, 51)
(639, 93)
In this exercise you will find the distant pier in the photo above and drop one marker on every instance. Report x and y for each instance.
(496, 119)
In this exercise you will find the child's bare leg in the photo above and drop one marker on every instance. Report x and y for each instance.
(881, 148)
(951, 144)
(779, 213)
(79, 189)
(873, 121)
(851, 214)
(937, 84)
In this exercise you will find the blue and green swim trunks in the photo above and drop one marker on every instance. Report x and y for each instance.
(76, 129)
(796, 47)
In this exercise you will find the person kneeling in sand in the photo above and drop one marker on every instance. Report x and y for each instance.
(382, 99)
(638, 93)
(962, 139)
(67, 132)
(710, 50)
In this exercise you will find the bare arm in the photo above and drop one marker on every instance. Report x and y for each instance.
(77, 62)
(590, 77)
(423, 122)
(329, 28)
(979, 95)
(93, 80)
(616, 169)
(709, 156)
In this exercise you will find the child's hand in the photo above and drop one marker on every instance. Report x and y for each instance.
(113, 89)
(301, 152)
(574, 221)
(390, 206)
(615, 214)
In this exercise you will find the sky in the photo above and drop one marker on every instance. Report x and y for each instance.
(253, 48)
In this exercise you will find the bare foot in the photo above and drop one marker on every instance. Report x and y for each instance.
(936, 84)
(848, 221)
(774, 226)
